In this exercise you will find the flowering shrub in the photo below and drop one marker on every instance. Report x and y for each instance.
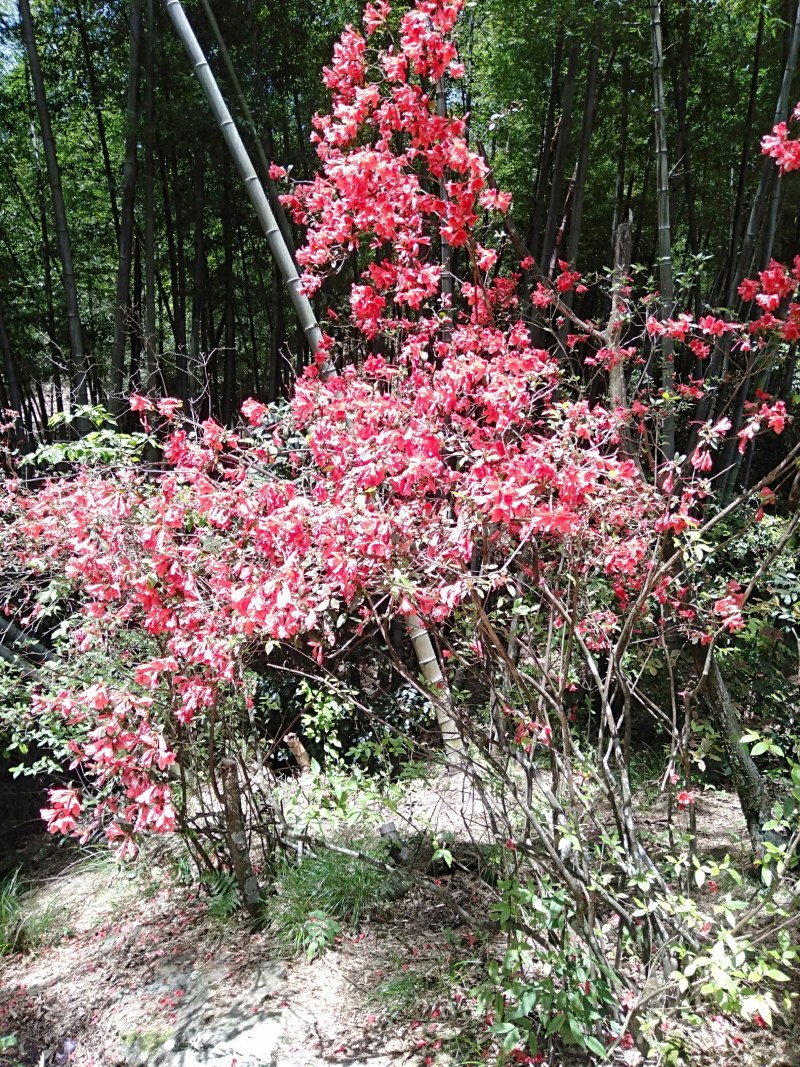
(455, 472)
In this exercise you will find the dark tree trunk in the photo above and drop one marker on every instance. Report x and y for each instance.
(80, 385)
(679, 76)
(250, 319)
(97, 107)
(13, 390)
(174, 232)
(277, 339)
(582, 165)
(122, 306)
(546, 153)
(755, 222)
(737, 221)
(622, 151)
(664, 229)
(197, 381)
(560, 159)
(229, 334)
(747, 781)
(149, 375)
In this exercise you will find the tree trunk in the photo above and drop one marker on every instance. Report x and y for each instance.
(55, 351)
(277, 337)
(622, 265)
(80, 386)
(746, 779)
(174, 234)
(622, 151)
(198, 384)
(97, 106)
(560, 160)
(432, 673)
(545, 155)
(251, 320)
(307, 321)
(737, 221)
(589, 112)
(679, 76)
(271, 187)
(13, 388)
(768, 173)
(237, 837)
(229, 331)
(664, 230)
(122, 306)
(149, 336)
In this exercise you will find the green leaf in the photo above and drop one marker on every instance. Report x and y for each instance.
(511, 1040)
(593, 1045)
(576, 1032)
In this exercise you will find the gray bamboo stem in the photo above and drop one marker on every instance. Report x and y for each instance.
(122, 304)
(237, 836)
(664, 230)
(420, 638)
(432, 673)
(80, 382)
(149, 206)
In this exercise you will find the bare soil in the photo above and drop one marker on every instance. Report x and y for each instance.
(127, 967)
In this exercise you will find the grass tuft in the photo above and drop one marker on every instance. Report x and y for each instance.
(10, 912)
(331, 890)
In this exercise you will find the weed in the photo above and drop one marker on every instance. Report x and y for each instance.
(319, 933)
(145, 1042)
(10, 912)
(405, 994)
(223, 893)
(45, 927)
(323, 892)
(433, 982)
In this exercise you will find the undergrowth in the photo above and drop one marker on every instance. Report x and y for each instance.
(318, 896)
(10, 912)
(21, 929)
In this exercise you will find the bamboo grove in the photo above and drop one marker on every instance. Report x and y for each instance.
(130, 257)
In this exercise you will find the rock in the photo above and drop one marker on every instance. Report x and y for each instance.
(246, 1031)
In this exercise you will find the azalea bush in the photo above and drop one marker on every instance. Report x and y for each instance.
(469, 458)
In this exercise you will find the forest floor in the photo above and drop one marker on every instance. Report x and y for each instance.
(129, 967)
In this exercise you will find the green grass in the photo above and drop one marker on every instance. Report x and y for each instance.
(10, 912)
(425, 988)
(23, 929)
(45, 927)
(340, 889)
(223, 894)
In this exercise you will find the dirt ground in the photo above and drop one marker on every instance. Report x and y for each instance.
(127, 967)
